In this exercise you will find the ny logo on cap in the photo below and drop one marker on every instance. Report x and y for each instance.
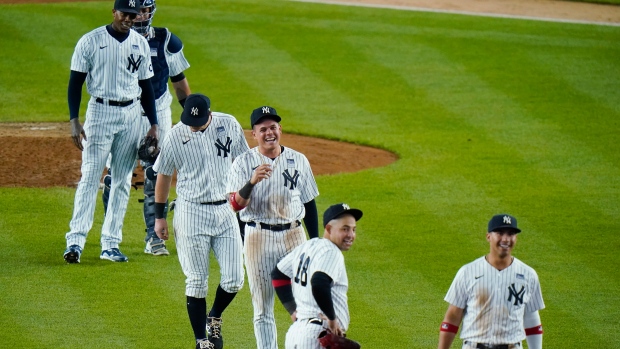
(266, 110)
(345, 206)
(194, 111)
(132, 3)
(507, 220)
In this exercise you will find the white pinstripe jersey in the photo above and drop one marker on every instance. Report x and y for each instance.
(314, 255)
(494, 300)
(279, 199)
(113, 67)
(202, 159)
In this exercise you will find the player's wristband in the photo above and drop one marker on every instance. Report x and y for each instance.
(233, 202)
(160, 208)
(448, 327)
(182, 102)
(246, 190)
(534, 330)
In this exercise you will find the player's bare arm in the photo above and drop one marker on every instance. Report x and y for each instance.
(182, 90)
(162, 189)
(449, 326)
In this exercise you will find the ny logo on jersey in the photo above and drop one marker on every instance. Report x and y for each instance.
(194, 111)
(266, 110)
(221, 147)
(132, 3)
(507, 220)
(133, 65)
(518, 295)
(288, 178)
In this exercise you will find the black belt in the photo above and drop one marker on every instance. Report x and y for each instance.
(494, 346)
(274, 227)
(315, 321)
(221, 202)
(116, 103)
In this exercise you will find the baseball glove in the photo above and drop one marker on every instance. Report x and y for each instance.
(148, 149)
(329, 340)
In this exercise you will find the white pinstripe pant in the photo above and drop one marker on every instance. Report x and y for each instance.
(199, 229)
(109, 129)
(263, 250)
(303, 335)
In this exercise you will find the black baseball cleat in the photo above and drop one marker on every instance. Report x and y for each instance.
(72, 254)
(214, 330)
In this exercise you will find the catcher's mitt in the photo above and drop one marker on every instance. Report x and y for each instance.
(329, 340)
(148, 149)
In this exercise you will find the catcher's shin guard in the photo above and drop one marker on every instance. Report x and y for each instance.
(150, 179)
(105, 196)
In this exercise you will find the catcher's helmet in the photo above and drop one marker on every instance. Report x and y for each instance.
(144, 26)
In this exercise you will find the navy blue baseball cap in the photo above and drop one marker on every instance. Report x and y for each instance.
(503, 221)
(127, 6)
(337, 210)
(197, 110)
(260, 113)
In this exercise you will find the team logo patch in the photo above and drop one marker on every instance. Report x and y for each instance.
(223, 148)
(444, 326)
(507, 220)
(133, 65)
(292, 179)
(518, 295)
(153, 52)
(220, 129)
(520, 276)
(290, 163)
(135, 47)
(266, 110)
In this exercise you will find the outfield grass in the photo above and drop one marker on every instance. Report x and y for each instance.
(487, 115)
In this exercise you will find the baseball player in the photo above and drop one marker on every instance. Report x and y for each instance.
(497, 297)
(311, 282)
(168, 63)
(273, 189)
(201, 148)
(114, 62)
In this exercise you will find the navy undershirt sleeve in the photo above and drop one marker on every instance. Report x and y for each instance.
(74, 92)
(148, 100)
(311, 219)
(322, 292)
(177, 78)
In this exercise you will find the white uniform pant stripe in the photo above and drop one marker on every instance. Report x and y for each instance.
(303, 335)
(263, 249)
(200, 228)
(108, 130)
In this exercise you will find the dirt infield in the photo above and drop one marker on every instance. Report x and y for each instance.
(43, 155)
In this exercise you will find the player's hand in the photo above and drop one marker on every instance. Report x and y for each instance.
(77, 133)
(161, 228)
(261, 172)
(294, 316)
(153, 131)
(332, 325)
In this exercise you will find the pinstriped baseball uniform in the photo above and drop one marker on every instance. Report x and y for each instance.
(277, 200)
(114, 69)
(202, 161)
(495, 300)
(314, 255)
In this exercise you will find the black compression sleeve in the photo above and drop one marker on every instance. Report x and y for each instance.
(311, 219)
(177, 78)
(246, 190)
(74, 92)
(284, 290)
(148, 100)
(322, 292)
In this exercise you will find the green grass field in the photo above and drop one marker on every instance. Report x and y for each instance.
(487, 115)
